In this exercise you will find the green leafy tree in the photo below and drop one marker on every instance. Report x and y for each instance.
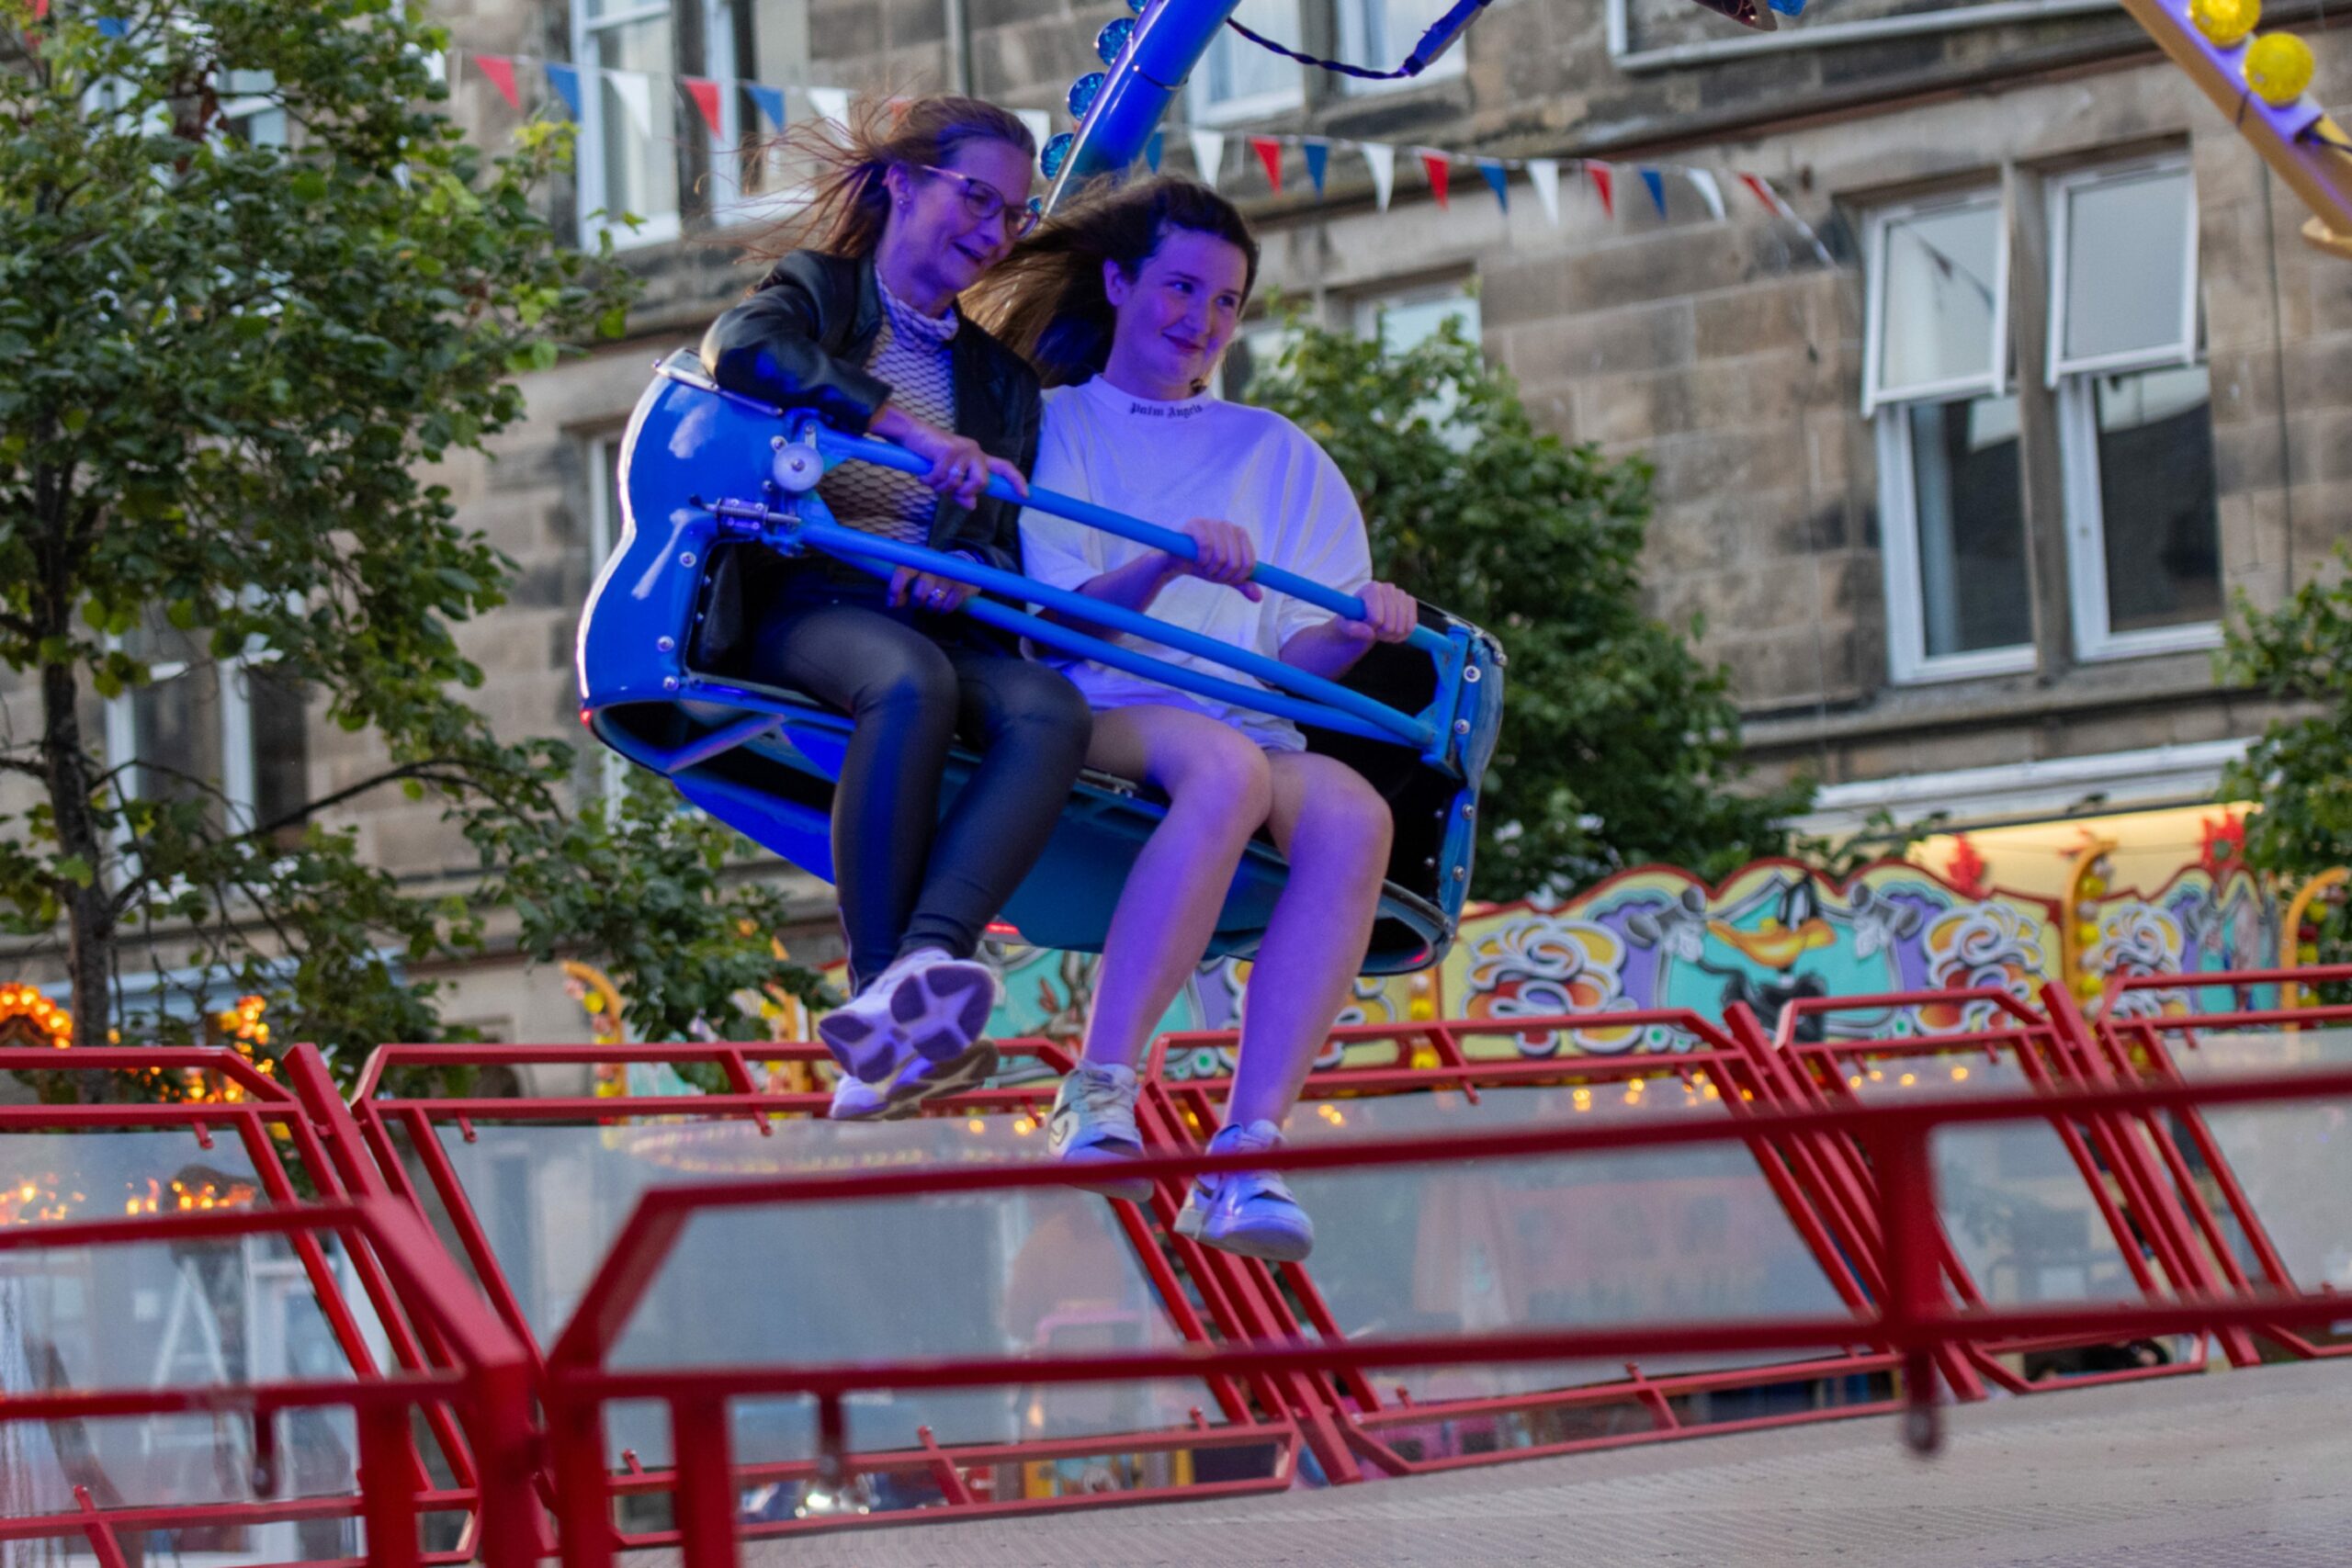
(1618, 745)
(2298, 774)
(225, 370)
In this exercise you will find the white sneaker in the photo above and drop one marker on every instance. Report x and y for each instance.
(917, 1081)
(1093, 1123)
(926, 1002)
(1249, 1211)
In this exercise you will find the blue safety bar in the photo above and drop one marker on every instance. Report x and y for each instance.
(834, 447)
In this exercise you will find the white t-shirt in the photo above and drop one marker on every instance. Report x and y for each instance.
(1168, 463)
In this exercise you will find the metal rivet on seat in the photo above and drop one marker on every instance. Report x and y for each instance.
(1461, 726)
(664, 644)
(685, 558)
(670, 683)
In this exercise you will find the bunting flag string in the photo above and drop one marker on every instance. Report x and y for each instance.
(1382, 159)
(1438, 168)
(633, 90)
(1270, 156)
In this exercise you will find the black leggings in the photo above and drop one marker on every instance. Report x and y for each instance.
(906, 876)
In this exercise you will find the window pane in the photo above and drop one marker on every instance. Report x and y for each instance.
(1380, 33)
(1405, 322)
(176, 721)
(1235, 68)
(1969, 508)
(1936, 320)
(2127, 264)
(281, 752)
(640, 171)
(2155, 483)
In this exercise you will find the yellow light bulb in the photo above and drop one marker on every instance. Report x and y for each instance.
(2225, 22)
(2278, 68)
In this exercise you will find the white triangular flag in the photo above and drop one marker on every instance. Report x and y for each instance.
(635, 90)
(1208, 155)
(1041, 126)
(1709, 191)
(831, 103)
(1544, 174)
(1383, 159)
(440, 63)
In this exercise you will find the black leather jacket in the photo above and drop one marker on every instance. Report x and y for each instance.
(801, 341)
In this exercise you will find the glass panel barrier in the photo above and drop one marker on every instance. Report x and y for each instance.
(1688, 1233)
(2294, 1161)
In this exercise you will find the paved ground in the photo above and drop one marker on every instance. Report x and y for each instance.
(2227, 1469)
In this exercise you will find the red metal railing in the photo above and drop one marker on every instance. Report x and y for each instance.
(487, 1390)
(303, 1111)
(2116, 1173)
(1265, 1414)
(1715, 1072)
(1914, 1320)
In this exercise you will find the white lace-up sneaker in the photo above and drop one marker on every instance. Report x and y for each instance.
(1093, 1125)
(926, 1002)
(917, 1081)
(1249, 1211)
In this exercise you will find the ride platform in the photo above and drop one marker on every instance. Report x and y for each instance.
(2246, 1469)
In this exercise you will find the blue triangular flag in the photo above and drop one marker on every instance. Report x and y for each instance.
(1498, 180)
(770, 102)
(1318, 158)
(1151, 149)
(1656, 181)
(111, 26)
(565, 80)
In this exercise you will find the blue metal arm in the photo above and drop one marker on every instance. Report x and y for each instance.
(835, 447)
(1324, 704)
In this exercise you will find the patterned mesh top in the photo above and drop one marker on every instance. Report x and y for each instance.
(911, 356)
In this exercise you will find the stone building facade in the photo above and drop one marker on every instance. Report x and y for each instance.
(1946, 563)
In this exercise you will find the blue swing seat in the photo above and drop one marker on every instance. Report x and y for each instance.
(714, 486)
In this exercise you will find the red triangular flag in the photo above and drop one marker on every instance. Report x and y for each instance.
(704, 93)
(1603, 182)
(1437, 172)
(500, 69)
(41, 10)
(1269, 153)
(1761, 191)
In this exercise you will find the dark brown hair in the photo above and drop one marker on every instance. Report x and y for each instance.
(1047, 302)
(847, 202)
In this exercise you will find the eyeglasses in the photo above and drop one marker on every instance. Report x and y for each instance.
(983, 201)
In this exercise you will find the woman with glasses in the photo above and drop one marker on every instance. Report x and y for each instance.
(856, 322)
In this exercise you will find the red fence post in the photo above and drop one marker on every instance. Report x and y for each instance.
(387, 1486)
(705, 1493)
(1906, 1193)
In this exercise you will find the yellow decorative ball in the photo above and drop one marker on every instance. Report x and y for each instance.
(2087, 934)
(2094, 885)
(2279, 67)
(2225, 22)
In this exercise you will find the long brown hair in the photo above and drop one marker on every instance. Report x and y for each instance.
(848, 204)
(1047, 302)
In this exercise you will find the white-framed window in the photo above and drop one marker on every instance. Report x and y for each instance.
(628, 152)
(2134, 411)
(1381, 33)
(248, 112)
(604, 537)
(1237, 80)
(1402, 318)
(628, 158)
(1935, 381)
(752, 41)
(201, 726)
